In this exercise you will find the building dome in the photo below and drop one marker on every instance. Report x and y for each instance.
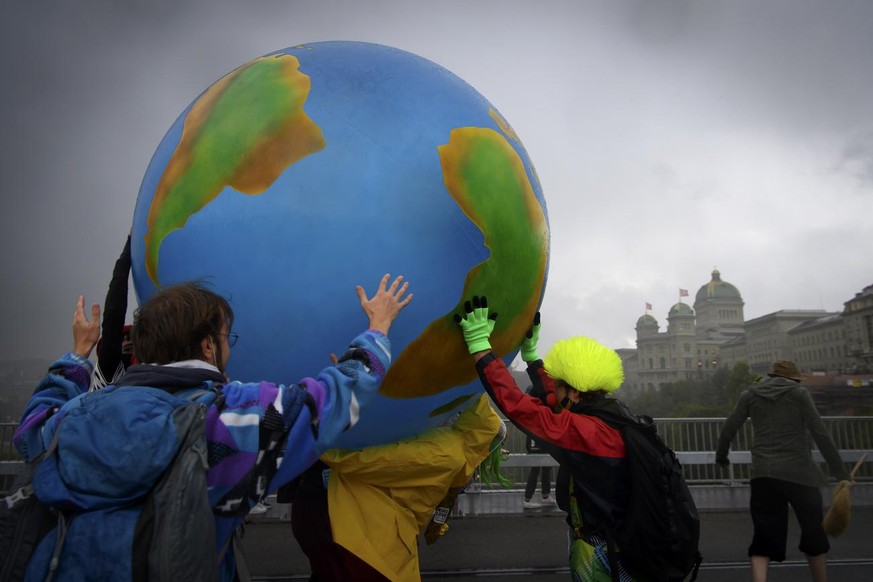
(681, 309)
(647, 321)
(717, 289)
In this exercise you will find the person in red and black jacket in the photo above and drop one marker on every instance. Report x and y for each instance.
(576, 376)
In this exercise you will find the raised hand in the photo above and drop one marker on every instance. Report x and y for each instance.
(477, 324)
(384, 307)
(85, 333)
(529, 343)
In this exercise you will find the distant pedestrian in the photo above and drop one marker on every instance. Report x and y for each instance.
(534, 447)
(783, 470)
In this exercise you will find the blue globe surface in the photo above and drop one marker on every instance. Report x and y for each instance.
(318, 167)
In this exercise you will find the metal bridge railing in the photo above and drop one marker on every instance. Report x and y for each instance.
(694, 440)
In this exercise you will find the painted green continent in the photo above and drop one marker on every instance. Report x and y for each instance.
(243, 132)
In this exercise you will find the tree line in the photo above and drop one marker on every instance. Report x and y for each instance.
(712, 395)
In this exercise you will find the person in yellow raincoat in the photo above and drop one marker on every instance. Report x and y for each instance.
(381, 497)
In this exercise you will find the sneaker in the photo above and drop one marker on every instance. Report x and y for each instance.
(549, 501)
(531, 504)
(260, 508)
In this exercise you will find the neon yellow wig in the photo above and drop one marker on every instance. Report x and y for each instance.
(584, 364)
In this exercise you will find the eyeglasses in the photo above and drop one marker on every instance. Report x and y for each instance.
(231, 338)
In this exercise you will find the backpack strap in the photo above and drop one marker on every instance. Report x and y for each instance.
(309, 401)
(26, 490)
(612, 556)
(62, 518)
(211, 388)
(575, 512)
(59, 547)
(234, 541)
(239, 556)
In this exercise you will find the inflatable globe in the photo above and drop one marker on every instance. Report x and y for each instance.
(319, 167)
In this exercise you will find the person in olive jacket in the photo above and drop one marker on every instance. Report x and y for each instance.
(783, 470)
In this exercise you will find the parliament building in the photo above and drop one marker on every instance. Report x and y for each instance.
(713, 333)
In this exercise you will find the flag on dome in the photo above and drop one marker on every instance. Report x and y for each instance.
(648, 306)
(683, 292)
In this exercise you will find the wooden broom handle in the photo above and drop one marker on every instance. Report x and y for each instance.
(858, 466)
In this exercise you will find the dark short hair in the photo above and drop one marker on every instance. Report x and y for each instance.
(170, 326)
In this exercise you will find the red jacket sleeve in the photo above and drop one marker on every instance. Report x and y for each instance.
(565, 429)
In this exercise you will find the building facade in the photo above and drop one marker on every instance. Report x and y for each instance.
(713, 334)
(767, 337)
(858, 316)
(690, 346)
(821, 345)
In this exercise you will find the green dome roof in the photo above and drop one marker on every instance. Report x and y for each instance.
(681, 309)
(717, 289)
(647, 320)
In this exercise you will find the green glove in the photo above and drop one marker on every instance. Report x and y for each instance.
(529, 343)
(477, 325)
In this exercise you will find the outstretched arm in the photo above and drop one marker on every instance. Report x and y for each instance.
(384, 307)
(85, 333)
(731, 425)
(566, 430)
(114, 312)
(312, 412)
(542, 385)
(67, 377)
(342, 391)
(823, 439)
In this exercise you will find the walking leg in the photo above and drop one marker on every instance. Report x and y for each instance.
(818, 565)
(760, 564)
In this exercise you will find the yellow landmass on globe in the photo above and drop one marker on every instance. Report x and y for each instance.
(487, 179)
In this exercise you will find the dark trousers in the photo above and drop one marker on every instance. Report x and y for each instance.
(532, 478)
(310, 523)
(769, 506)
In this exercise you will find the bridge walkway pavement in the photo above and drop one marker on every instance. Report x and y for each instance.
(530, 545)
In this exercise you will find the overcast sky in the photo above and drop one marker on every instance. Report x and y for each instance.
(670, 137)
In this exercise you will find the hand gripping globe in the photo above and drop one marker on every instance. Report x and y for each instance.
(318, 167)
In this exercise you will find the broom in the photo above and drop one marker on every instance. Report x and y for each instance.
(837, 519)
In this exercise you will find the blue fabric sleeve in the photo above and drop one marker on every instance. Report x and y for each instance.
(349, 386)
(299, 452)
(68, 377)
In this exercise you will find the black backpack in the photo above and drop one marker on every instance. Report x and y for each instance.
(658, 539)
(24, 521)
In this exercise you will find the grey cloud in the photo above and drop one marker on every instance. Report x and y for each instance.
(857, 158)
(615, 101)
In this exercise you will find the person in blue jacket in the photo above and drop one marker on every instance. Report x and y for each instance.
(260, 435)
